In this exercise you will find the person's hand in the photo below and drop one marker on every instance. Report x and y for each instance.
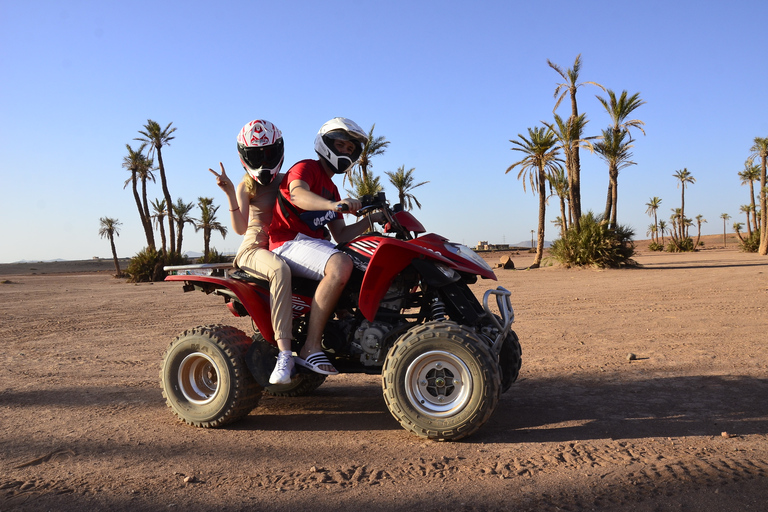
(353, 204)
(222, 180)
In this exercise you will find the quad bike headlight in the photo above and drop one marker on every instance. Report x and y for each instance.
(467, 253)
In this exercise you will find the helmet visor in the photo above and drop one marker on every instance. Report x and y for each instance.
(267, 157)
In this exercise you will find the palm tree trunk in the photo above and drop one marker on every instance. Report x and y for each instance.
(147, 217)
(114, 255)
(614, 199)
(167, 196)
(542, 216)
(763, 249)
(142, 215)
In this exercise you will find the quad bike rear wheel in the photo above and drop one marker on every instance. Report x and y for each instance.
(440, 381)
(204, 377)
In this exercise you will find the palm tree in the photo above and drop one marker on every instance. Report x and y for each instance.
(570, 86)
(541, 159)
(760, 150)
(181, 216)
(737, 228)
(374, 146)
(110, 228)
(614, 149)
(208, 223)
(662, 230)
(403, 180)
(725, 217)
(157, 138)
(558, 182)
(750, 175)
(568, 134)
(368, 186)
(653, 229)
(684, 177)
(140, 167)
(653, 206)
(699, 221)
(747, 209)
(158, 215)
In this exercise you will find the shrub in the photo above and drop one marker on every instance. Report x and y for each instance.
(751, 243)
(655, 246)
(148, 265)
(684, 245)
(215, 256)
(595, 244)
(143, 267)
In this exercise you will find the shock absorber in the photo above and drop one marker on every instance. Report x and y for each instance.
(438, 309)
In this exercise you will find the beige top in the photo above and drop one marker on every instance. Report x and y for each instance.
(261, 206)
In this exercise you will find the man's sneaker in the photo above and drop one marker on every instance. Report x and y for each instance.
(283, 369)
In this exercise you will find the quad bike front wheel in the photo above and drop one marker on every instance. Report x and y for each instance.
(440, 381)
(510, 360)
(204, 377)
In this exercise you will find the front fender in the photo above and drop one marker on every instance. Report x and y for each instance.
(389, 259)
(253, 298)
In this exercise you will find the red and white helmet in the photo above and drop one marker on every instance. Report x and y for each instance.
(260, 145)
(344, 129)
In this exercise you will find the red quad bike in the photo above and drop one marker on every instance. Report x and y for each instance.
(407, 313)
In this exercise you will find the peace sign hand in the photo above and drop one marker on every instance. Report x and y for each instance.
(222, 180)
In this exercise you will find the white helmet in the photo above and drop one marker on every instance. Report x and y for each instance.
(344, 129)
(260, 145)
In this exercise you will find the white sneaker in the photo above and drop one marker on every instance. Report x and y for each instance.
(283, 369)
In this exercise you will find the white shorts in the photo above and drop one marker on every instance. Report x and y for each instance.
(307, 256)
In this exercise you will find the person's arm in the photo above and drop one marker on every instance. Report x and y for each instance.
(305, 199)
(238, 200)
(343, 233)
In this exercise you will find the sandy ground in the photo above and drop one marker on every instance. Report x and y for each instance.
(83, 425)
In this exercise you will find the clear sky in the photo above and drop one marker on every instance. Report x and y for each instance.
(448, 83)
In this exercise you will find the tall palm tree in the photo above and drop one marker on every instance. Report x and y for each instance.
(747, 209)
(110, 228)
(541, 158)
(159, 212)
(614, 149)
(157, 138)
(568, 134)
(725, 217)
(760, 150)
(208, 223)
(750, 175)
(140, 166)
(685, 178)
(374, 146)
(653, 206)
(619, 109)
(181, 216)
(403, 180)
(699, 221)
(570, 86)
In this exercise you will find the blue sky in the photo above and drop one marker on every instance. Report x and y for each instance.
(446, 82)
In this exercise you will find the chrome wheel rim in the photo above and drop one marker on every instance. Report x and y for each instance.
(438, 384)
(198, 378)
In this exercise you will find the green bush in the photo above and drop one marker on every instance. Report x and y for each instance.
(751, 243)
(684, 245)
(595, 244)
(148, 265)
(655, 246)
(215, 256)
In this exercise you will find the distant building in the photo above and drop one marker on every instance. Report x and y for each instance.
(485, 246)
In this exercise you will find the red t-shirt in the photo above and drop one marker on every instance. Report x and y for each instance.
(285, 223)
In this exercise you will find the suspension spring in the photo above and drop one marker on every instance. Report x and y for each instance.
(438, 309)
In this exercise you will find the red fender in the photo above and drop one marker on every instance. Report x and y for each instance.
(389, 259)
(254, 299)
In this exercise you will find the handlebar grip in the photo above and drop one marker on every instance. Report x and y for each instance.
(342, 207)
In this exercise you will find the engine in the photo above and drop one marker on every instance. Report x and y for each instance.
(369, 340)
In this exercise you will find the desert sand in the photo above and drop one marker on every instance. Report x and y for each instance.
(682, 425)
